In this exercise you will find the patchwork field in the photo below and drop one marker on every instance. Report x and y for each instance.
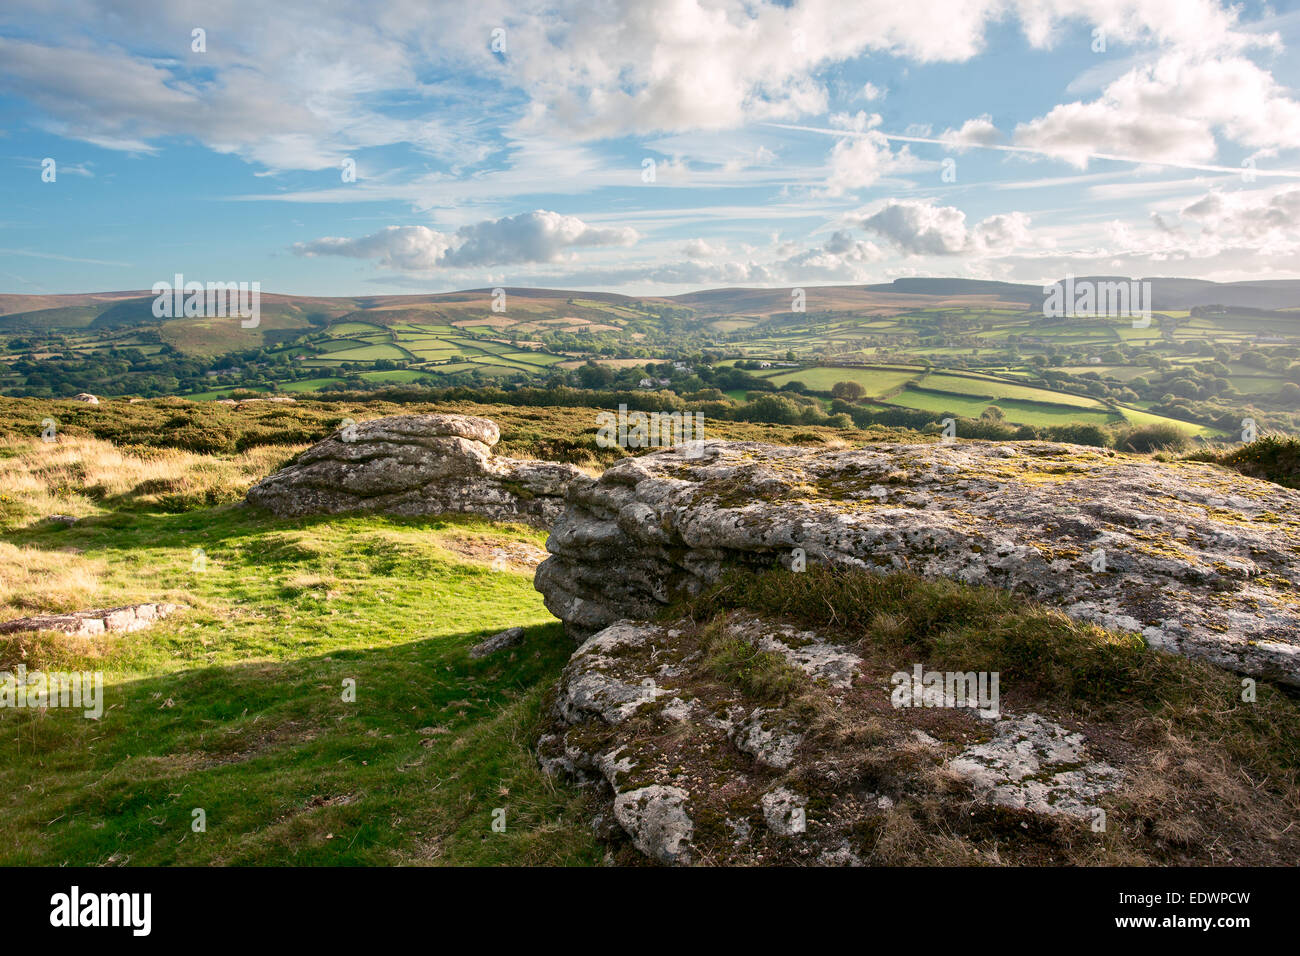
(943, 350)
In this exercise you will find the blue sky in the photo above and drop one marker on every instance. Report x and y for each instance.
(803, 143)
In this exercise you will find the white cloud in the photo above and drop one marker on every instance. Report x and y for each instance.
(699, 249)
(860, 160)
(978, 131)
(922, 228)
(1268, 220)
(311, 83)
(1169, 112)
(537, 236)
(403, 248)
(1002, 233)
(841, 258)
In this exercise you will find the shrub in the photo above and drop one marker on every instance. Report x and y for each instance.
(1150, 438)
(1272, 458)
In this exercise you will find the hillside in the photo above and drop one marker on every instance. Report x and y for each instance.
(1212, 356)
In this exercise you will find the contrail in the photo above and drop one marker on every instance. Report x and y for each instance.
(951, 144)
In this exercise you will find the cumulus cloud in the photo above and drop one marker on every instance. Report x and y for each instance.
(404, 248)
(922, 228)
(841, 258)
(1169, 111)
(537, 236)
(1002, 233)
(861, 159)
(699, 249)
(978, 131)
(1265, 219)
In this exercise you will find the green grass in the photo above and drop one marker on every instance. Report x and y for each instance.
(364, 353)
(308, 384)
(1016, 411)
(235, 706)
(983, 387)
(1139, 417)
(877, 381)
(353, 328)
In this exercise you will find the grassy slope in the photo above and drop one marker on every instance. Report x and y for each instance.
(235, 705)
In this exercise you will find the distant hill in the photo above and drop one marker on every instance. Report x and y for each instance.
(1166, 294)
(122, 309)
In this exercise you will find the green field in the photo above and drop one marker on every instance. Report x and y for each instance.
(1211, 367)
(1017, 411)
(877, 382)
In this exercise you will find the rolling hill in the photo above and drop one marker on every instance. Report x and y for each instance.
(1213, 354)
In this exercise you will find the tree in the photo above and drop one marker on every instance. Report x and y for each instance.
(849, 391)
(992, 414)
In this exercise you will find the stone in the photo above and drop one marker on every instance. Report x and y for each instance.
(417, 465)
(497, 642)
(767, 738)
(87, 398)
(785, 812)
(655, 818)
(1199, 560)
(1034, 764)
(132, 617)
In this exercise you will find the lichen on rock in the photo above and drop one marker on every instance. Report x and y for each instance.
(692, 771)
(1199, 560)
(417, 465)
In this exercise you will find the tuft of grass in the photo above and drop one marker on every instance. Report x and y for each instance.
(1156, 437)
(760, 675)
(1273, 458)
(82, 476)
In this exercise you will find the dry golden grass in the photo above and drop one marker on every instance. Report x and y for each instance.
(35, 581)
(87, 477)
(83, 476)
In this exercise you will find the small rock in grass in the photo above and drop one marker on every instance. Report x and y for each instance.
(498, 642)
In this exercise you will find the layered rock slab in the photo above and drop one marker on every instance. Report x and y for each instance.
(417, 465)
(1199, 560)
(110, 620)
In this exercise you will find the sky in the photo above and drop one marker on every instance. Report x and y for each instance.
(360, 148)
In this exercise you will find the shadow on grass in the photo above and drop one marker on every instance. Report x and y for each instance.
(285, 770)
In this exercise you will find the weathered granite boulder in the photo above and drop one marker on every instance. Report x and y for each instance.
(417, 465)
(692, 771)
(1200, 560)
